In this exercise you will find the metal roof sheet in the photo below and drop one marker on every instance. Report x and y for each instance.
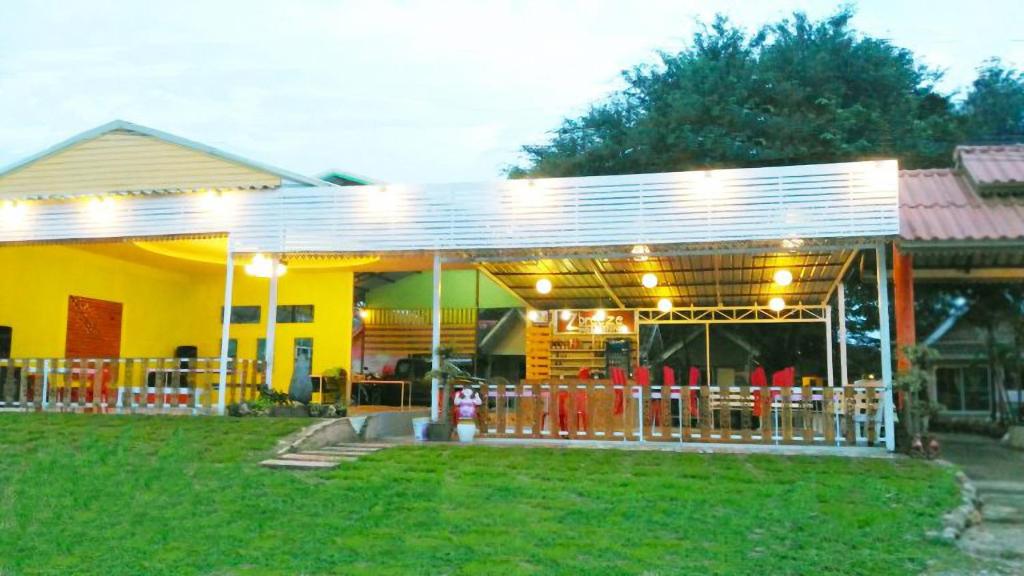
(941, 205)
(992, 165)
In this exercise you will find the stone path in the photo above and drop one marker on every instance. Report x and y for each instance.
(323, 458)
(998, 475)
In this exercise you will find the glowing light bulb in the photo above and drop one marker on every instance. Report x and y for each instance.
(665, 305)
(649, 280)
(783, 277)
(12, 214)
(566, 315)
(776, 304)
(543, 286)
(532, 315)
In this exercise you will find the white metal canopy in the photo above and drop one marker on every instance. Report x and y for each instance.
(847, 200)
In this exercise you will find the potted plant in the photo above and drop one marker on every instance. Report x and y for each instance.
(917, 409)
(441, 430)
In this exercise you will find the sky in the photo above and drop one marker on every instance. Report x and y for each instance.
(397, 91)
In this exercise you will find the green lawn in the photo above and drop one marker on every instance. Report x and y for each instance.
(113, 495)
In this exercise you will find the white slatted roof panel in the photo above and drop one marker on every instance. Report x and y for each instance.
(848, 200)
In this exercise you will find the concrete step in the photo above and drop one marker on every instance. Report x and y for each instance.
(994, 541)
(998, 513)
(313, 457)
(298, 464)
(350, 448)
(1002, 499)
(999, 487)
(324, 454)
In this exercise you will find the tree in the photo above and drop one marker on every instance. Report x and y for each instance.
(994, 108)
(796, 91)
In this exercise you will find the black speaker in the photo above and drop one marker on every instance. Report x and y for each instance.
(6, 335)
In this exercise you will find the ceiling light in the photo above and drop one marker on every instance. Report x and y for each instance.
(263, 267)
(776, 304)
(543, 286)
(12, 214)
(649, 280)
(783, 277)
(665, 305)
(566, 315)
(640, 252)
(532, 316)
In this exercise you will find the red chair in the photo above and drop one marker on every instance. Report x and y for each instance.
(619, 379)
(758, 378)
(694, 381)
(581, 405)
(784, 378)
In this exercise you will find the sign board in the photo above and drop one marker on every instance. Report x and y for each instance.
(596, 322)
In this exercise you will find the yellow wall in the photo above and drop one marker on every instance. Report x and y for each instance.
(166, 305)
(39, 279)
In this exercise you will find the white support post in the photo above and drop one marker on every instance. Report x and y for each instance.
(271, 322)
(225, 332)
(886, 345)
(828, 347)
(844, 376)
(435, 340)
(707, 351)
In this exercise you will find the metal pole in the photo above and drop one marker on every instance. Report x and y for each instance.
(828, 347)
(225, 332)
(883, 330)
(844, 377)
(707, 351)
(271, 323)
(435, 340)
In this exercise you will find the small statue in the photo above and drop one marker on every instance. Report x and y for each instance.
(466, 400)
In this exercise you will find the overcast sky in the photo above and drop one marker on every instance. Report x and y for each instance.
(397, 91)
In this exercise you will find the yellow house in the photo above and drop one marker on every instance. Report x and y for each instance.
(159, 294)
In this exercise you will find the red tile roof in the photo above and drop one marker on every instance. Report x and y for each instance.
(992, 165)
(942, 205)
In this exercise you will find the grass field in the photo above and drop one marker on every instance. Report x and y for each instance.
(115, 495)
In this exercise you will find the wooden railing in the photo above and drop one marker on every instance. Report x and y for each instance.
(124, 384)
(599, 410)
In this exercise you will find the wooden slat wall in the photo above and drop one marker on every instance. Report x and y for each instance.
(804, 415)
(403, 332)
(102, 385)
(122, 161)
(538, 351)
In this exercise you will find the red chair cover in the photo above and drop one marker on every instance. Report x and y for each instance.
(619, 379)
(584, 373)
(668, 376)
(758, 378)
(694, 381)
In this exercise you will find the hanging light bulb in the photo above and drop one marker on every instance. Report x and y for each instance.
(640, 252)
(783, 277)
(12, 214)
(649, 280)
(776, 304)
(262, 267)
(665, 305)
(543, 286)
(532, 315)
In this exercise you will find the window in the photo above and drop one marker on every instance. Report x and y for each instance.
(232, 347)
(261, 349)
(295, 314)
(243, 314)
(303, 355)
(963, 388)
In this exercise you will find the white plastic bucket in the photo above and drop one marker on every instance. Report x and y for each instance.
(419, 428)
(466, 430)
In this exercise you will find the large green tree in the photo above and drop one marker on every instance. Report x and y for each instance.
(994, 107)
(795, 91)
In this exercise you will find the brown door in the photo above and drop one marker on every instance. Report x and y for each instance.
(94, 328)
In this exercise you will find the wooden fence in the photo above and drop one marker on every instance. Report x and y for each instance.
(124, 384)
(600, 410)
